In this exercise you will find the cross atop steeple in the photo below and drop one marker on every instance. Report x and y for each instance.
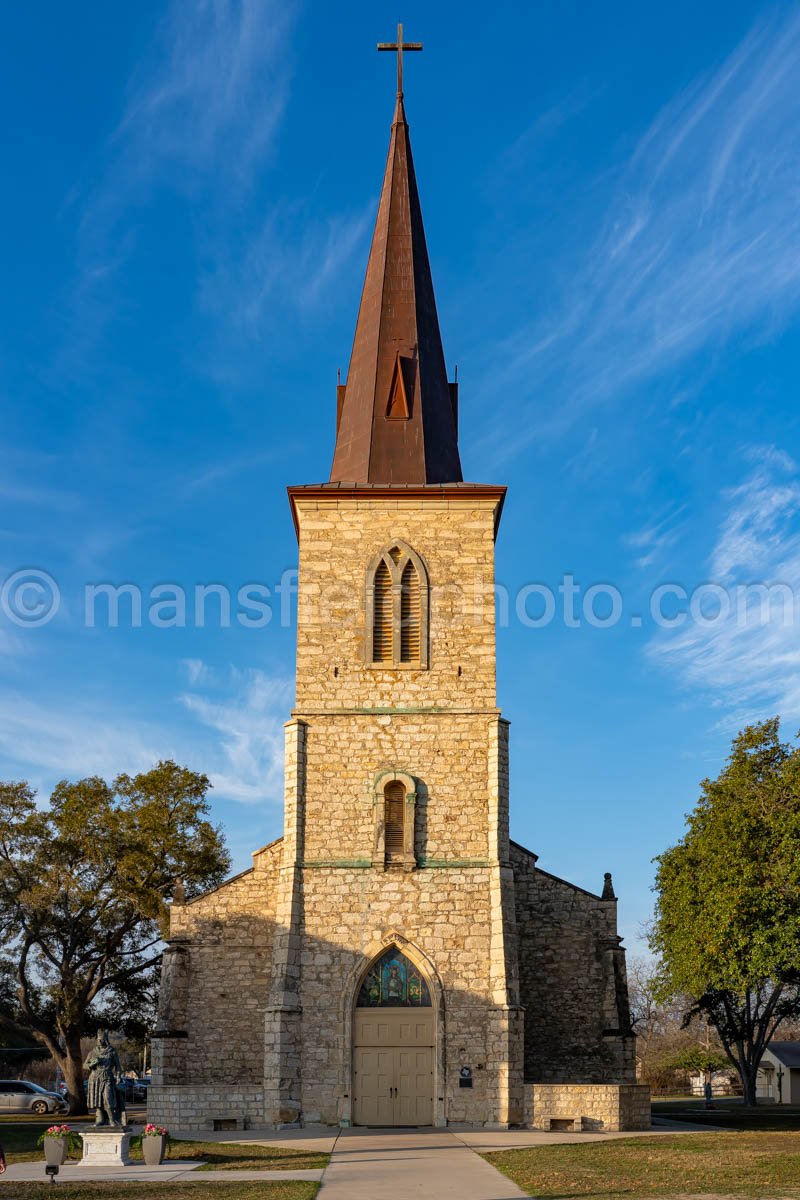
(399, 46)
(397, 413)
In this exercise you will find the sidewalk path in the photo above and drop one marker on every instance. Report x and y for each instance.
(168, 1172)
(369, 1164)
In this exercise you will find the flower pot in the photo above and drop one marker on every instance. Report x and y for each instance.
(153, 1150)
(55, 1151)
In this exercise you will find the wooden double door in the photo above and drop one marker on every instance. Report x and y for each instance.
(393, 1066)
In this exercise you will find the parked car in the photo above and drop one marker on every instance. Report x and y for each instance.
(18, 1095)
(135, 1089)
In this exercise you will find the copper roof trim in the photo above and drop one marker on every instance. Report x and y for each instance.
(460, 491)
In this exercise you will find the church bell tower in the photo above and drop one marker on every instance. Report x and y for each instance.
(396, 882)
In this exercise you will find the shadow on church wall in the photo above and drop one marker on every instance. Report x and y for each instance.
(219, 983)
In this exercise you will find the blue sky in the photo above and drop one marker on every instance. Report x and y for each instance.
(611, 199)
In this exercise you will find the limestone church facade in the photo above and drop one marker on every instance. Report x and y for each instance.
(394, 959)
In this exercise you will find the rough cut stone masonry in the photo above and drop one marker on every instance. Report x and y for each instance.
(526, 971)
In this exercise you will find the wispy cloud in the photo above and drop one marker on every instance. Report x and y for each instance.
(212, 91)
(216, 473)
(747, 662)
(700, 240)
(651, 541)
(246, 711)
(292, 258)
(200, 117)
(196, 670)
(202, 121)
(46, 739)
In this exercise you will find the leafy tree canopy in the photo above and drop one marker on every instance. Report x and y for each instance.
(727, 919)
(84, 884)
(697, 1059)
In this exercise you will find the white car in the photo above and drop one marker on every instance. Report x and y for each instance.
(18, 1095)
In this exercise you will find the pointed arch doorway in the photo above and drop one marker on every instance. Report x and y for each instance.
(394, 1044)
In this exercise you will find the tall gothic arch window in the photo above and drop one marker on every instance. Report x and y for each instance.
(382, 630)
(410, 632)
(397, 603)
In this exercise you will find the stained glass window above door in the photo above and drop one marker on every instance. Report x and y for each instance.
(394, 982)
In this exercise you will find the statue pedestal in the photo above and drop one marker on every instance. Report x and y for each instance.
(105, 1147)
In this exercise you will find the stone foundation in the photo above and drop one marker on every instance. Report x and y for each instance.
(606, 1107)
(195, 1107)
(610, 1107)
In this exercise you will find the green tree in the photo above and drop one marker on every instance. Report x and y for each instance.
(727, 920)
(697, 1060)
(84, 885)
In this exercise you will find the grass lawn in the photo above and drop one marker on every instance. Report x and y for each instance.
(19, 1136)
(292, 1189)
(742, 1164)
(19, 1141)
(222, 1156)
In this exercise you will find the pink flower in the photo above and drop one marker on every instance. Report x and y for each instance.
(151, 1130)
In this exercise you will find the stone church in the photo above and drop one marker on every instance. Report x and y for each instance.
(394, 958)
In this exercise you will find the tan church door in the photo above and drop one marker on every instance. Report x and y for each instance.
(393, 1045)
(393, 1067)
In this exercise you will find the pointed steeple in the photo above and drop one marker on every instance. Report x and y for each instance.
(397, 413)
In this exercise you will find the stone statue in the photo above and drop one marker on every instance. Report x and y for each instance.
(105, 1076)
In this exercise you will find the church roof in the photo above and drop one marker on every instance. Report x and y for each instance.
(397, 413)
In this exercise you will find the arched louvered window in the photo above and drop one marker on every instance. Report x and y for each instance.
(382, 640)
(409, 614)
(397, 609)
(394, 803)
(395, 798)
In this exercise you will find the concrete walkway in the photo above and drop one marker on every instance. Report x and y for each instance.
(168, 1172)
(369, 1164)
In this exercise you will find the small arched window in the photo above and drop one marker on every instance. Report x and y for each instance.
(394, 803)
(395, 796)
(397, 609)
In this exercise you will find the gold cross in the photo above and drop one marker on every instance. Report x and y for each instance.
(399, 46)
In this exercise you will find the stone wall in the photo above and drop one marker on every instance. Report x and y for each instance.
(446, 754)
(611, 1108)
(239, 1106)
(444, 913)
(572, 981)
(211, 1015)
(338, 538)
